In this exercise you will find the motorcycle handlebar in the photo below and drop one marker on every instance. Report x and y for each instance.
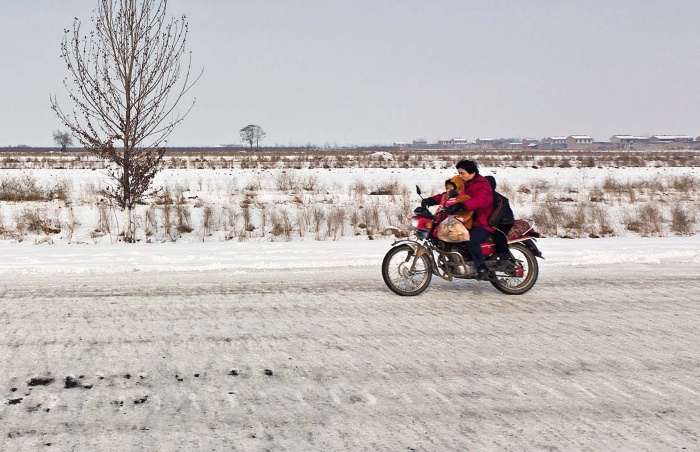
(424, 212)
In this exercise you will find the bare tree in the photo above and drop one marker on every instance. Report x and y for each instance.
(252, 133)
(62, 139)
(126, 78)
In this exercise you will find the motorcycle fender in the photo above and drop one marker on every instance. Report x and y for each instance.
(530, 243)
(416, 247)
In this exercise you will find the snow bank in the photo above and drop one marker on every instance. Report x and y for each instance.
(255, 256)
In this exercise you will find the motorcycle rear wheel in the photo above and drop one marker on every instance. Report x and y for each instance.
(513, 285)
(401, 275)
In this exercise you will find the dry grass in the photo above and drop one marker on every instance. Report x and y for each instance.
(647, 222)
(36, 221)
(71, 225)
(280, 201)
(682, 222)
(301, 158)
(184, 219)
(26, 188)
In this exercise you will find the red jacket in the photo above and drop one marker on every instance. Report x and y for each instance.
(480, 201)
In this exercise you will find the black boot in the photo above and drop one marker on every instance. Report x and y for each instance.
(482, 273)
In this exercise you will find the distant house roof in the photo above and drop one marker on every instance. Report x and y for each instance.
(580, 137)
(630, 137)
(554, 140)
(671, 137)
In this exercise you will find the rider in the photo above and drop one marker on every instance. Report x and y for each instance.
(480, 200)
(500, 236)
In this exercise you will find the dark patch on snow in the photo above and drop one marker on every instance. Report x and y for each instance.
(40, 381)
(14, 401)
(71, 382)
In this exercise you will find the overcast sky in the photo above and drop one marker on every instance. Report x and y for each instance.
(378, 71)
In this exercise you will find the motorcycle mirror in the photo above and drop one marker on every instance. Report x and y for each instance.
(418, 190)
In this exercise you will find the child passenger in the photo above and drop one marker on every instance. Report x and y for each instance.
(448, 198)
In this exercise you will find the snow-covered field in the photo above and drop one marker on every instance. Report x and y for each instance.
(286, 204)
(225, 339)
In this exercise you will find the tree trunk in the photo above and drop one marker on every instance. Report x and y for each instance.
(130, 227)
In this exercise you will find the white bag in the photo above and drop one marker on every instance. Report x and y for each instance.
(452, 230)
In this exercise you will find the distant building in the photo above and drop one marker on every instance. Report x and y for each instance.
(499, 143)
(453, 143)
(530, 142)
(628, 139)
(578, 141)
(553, 140)
(670, 139)
(553, 143)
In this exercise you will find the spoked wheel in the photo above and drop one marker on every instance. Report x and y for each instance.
(521, 276)
(404, 272)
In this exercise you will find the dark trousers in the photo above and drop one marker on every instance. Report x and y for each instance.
(500, 239)
(477, 236)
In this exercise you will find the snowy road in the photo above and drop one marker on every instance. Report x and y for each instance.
(593, 358)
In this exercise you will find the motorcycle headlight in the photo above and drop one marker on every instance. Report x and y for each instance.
(414, 222)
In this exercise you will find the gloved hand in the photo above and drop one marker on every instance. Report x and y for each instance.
(454, 208)
(427, 202)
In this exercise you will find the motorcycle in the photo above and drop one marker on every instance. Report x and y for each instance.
(410, 264)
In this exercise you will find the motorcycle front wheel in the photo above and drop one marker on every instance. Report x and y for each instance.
(405, 273)
(527, 272)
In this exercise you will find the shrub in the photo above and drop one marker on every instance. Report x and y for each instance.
(684, 183)
(151, 224)
(207, 221)
(650, 220)
(36, 221)
(336, 223)
(682, 223)
(598, 215)
(358, 189)
(287, 181)
(104, 225)
(184, 219)
(546, 217)
(16, 189)
(387, 188)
